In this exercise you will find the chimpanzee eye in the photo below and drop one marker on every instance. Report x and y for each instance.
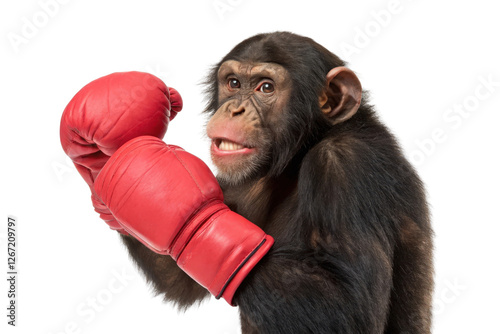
(266, 87)
(234, 83)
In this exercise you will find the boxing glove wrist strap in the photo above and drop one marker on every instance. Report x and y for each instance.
(222, 251)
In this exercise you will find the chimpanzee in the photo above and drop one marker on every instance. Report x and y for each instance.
(302, 161)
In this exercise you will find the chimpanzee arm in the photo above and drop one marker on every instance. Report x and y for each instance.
(334, 275)
(165, 276)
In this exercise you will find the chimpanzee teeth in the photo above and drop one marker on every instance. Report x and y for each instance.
(229, 146)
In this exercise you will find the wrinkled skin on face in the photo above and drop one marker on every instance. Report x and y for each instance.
(252, 98)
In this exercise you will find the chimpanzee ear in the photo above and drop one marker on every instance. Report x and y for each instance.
(342, 94)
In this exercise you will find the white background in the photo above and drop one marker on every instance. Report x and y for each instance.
(420, 61)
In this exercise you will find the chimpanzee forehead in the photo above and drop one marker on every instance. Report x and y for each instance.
(253, 69)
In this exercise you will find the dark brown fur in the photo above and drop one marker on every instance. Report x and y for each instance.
(353, 251)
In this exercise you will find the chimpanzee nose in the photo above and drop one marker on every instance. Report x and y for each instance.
(236, 110)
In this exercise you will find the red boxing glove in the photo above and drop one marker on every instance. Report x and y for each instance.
(170, 201)
(107, 113)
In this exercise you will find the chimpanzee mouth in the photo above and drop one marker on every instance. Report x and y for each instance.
(221, 145)
(225, 145)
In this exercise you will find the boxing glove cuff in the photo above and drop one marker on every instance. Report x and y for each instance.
(222, 251)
